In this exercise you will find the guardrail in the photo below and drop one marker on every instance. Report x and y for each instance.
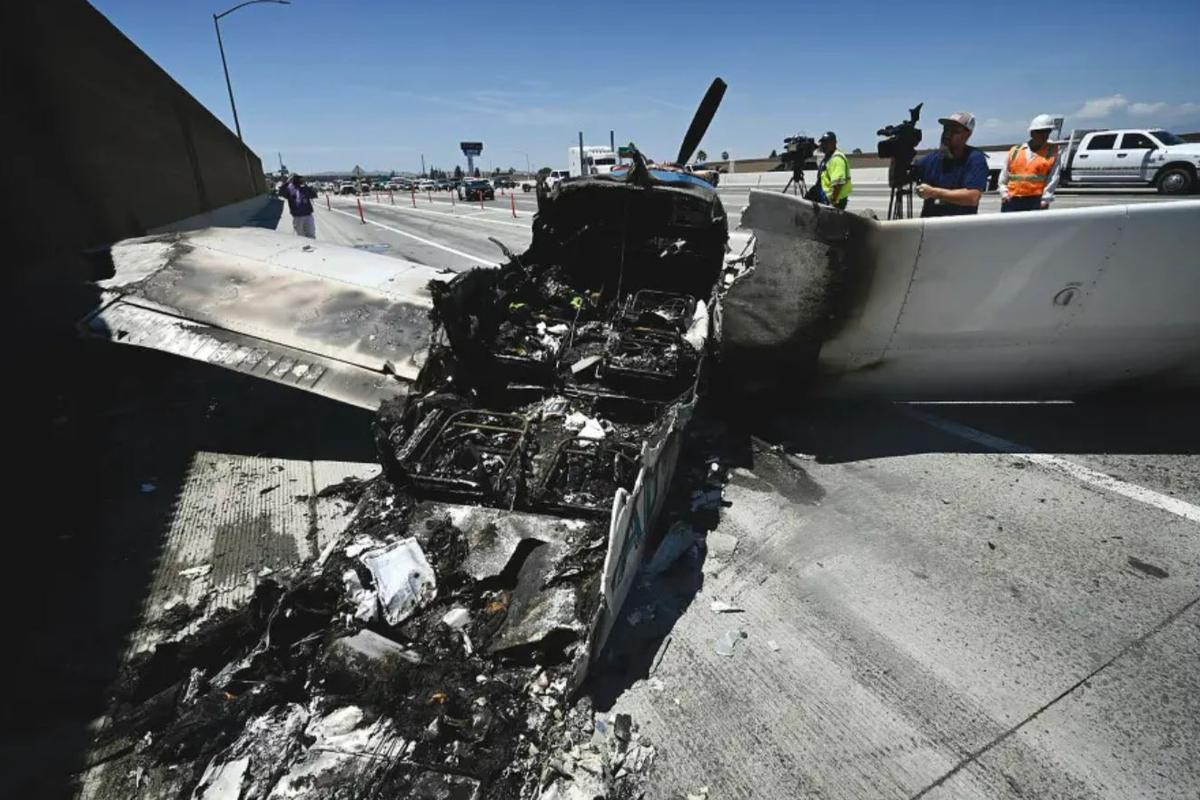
(771, 180)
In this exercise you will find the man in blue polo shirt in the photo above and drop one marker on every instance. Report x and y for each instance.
(954, 177)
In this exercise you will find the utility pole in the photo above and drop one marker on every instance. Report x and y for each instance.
(422, 165)
(229, 85)
(225, 64)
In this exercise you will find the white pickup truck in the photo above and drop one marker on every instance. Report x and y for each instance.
(552, 180)
(1131, 157)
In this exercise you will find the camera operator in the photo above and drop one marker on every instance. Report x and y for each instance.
(833, 176)
(955, 176)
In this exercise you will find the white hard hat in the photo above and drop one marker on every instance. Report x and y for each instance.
(1043, 122)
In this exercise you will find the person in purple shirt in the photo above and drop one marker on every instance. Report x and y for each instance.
(299, 197)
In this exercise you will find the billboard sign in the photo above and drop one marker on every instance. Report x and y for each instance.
(471, 148)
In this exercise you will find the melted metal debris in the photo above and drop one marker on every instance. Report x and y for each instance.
(432, 652)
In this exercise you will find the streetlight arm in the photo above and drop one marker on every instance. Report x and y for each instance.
(250, 3)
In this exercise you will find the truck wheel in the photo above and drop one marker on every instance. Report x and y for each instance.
(1175, 180)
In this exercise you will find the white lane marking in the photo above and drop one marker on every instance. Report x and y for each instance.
(1070, 469)
(476, 212)
(460, 253)
(991, 402)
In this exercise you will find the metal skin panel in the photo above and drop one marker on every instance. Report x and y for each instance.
(366, 311)
(1031, 305)
(142, 327)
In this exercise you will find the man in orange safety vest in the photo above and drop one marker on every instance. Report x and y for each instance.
(1030, 172)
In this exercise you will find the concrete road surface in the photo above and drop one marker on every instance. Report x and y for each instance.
(439, 230)
(927, 616)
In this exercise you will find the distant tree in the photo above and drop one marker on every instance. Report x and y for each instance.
(458, 173)
(857, 151)
(512, 171)
(724, 155)
(477, 172)
(774, 154)
(702, 156)
(543, 172)
(496, 171)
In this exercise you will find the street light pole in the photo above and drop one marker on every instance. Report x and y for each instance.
(228, 84)
(225, 64)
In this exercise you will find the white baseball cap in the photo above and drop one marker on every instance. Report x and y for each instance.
(1043, 122)
(964, 118)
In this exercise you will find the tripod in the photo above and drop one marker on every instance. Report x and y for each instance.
(796, 183)
(900, 203)
(900, 179)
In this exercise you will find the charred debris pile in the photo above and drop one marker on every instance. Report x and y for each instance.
(432, 650)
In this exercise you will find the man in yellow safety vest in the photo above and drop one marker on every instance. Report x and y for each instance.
(1030, 173)
(833, 176)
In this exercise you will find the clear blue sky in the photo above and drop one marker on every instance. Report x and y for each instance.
(334, 83)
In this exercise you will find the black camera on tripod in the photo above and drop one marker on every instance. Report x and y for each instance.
(900, 145)
(798, 152)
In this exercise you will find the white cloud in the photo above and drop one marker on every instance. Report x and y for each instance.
(1145, 109)
(1100, 107)
(1104, 107)
(1165, 110)
(990, 130)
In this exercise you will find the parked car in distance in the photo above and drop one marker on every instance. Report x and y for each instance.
(476, 189)
(347, 188)
(504, 182)
(555, 176)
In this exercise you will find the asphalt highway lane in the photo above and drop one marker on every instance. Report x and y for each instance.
(437, 229)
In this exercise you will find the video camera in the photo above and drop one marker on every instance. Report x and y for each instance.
(797, 151)
(900, 145)
(902, 138)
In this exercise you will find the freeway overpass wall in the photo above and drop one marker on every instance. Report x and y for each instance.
(100, 142)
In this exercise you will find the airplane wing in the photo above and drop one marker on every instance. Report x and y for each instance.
(325, 318)
(1032, 305)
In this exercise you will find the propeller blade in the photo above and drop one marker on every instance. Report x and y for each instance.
(700, 122)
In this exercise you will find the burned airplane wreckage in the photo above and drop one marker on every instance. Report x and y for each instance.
(433, 649)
